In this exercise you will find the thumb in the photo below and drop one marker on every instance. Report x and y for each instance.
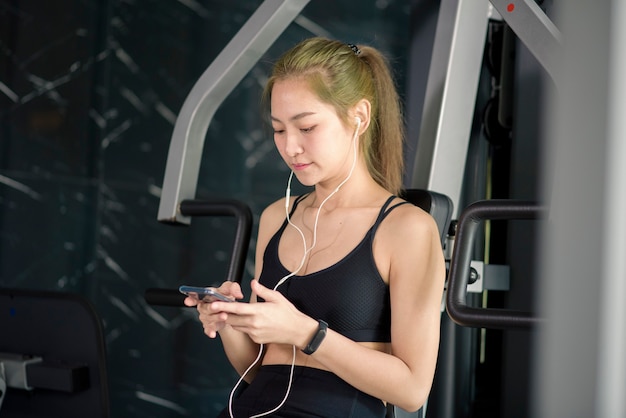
(263, 292)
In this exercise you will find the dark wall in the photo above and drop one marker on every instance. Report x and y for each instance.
(89, 92)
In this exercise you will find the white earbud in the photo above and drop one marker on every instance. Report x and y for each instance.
(358, 126)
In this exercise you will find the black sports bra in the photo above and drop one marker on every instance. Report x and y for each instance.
(350, 295)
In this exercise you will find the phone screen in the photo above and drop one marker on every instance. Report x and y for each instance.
(204, 294)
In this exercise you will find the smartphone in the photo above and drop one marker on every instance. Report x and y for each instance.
(204, 294)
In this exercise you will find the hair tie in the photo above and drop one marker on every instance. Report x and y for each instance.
(355, 49)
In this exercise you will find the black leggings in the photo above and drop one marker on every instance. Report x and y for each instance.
(314, 393)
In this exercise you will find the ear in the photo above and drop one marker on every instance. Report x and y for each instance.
(362, 110)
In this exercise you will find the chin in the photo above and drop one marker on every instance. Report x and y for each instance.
(308, 183)
(305, 180)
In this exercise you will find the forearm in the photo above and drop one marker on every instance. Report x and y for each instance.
(376, 373)
(240, 350)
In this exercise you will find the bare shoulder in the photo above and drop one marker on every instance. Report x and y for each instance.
(407, 223)
(412, 244)
(272, 218)
(407, 245)
(274, 210)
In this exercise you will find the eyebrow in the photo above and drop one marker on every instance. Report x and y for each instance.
(295, 117)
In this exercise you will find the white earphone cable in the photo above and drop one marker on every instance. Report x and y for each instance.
(293, 273)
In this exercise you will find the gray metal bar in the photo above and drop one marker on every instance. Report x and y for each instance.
(453, 80)
(220, 78)
(450, 97)
(531, 25)
(581, 368)
(612, 336)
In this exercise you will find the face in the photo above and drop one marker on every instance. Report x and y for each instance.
(309, 135)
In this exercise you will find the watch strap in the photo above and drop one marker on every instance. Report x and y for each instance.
(317, 339)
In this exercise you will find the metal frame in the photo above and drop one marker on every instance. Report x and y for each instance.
(216, 83)
(450, 97)
(449, 107)
(534, 29)
(453, 82)
(449, 103)
(581, 367)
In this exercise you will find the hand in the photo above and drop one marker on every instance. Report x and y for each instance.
(274, 321)
(214, 320)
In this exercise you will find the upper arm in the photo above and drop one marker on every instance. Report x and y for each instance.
(416, 280)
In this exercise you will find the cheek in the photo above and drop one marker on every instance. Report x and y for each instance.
(279, 143)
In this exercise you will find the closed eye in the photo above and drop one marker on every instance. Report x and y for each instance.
(307, 130)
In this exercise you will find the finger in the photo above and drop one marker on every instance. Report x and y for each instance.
(204, 307)
(189, 301)
(235, 308)
(211, 333)
(264, 292)
(233, 289)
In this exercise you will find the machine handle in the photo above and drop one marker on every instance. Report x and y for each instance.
(459, 272)
(222, 207)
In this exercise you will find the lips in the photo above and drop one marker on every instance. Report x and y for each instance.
(299, 166)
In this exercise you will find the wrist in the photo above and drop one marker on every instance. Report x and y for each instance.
(316, 338)
(307, 331)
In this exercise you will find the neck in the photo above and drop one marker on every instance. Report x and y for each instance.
(354, 192)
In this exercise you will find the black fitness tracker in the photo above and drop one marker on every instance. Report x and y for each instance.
(317, 338)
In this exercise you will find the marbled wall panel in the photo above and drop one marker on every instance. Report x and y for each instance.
(153, 348)
(46, 233)
(48, 56)
(158, 51)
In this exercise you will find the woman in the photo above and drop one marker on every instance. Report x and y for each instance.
(350, 276)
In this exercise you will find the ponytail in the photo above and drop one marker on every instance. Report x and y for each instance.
(384, 153)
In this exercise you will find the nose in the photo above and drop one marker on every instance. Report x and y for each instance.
(293, 145)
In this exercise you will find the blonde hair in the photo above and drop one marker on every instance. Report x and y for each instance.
(341, 75)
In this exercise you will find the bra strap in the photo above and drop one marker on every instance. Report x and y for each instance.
(296, 201)
(385, 210)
